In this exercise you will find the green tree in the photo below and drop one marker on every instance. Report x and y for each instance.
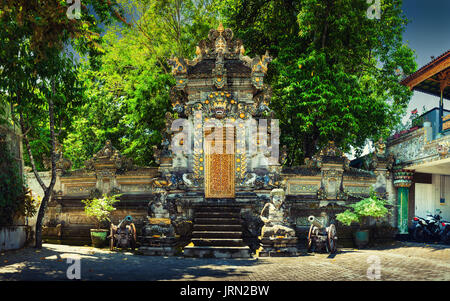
(128, 95)
(337, 76)
(38, 79)
(11, 184)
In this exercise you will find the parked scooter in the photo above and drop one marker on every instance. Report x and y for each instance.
(445, 232)
(429, 228)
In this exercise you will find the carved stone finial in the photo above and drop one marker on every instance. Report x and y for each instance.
(108, 157)
(380, 148)
(331, 150)
(220, 28)
(242, 50)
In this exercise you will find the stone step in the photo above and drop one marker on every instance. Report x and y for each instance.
(217, 221)
(217, 252)
(218, 242)
(216, 228)
(218, 209)
(216, 234)
(217, 214)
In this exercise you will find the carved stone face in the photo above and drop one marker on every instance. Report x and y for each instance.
(219, 112)
(277, 197)
(220, 104)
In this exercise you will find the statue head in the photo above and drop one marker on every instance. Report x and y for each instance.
(157, 207)
(277, 197)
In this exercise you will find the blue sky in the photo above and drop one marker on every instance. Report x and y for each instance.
(428, 33)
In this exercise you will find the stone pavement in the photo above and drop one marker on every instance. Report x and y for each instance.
(397, 261)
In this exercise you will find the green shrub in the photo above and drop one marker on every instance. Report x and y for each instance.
(12, 192)
(100, 208)
(359, 212)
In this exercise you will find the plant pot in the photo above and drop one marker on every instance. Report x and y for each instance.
(361, 238)
(99, 237)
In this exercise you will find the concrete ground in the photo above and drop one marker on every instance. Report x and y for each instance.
(396, 261)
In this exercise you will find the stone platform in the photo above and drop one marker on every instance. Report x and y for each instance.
(158, 246)
(278, 247)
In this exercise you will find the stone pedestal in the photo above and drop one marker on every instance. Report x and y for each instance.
(278, 246)
(158, 246)
(158, 237)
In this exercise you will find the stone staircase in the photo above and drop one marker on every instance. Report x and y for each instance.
(217, 233)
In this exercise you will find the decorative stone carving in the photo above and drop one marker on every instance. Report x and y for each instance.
(220, 104)
(277, 237)
(179, 100)
(274, 216)
(62, 164)
(219, 72)
(403, 177)
(158, 233)
(259, 69)
(108, 158)
(158, 206)
(249, 180)
(380, 148)
(189, 181)
(442, 149)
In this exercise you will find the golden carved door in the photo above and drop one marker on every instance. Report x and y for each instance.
(219, 167)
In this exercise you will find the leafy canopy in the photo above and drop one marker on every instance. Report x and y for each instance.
(128, 95)
(336, 72)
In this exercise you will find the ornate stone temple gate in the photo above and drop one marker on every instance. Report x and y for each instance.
(219, 189)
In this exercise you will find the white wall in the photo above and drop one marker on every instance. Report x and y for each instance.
(427, 197)
(424, 199)
(12, 237)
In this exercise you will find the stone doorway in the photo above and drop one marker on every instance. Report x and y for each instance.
(219, 163)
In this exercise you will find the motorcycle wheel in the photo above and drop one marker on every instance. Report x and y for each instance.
(419, 234)
(445, 238)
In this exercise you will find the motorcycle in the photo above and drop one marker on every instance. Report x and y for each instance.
(445, 232)
(428, 229)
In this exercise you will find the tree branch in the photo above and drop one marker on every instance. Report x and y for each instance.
(30, 154)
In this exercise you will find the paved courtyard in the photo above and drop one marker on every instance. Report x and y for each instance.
(396, 261)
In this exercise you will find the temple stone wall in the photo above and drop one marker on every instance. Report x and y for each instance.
(323, 188)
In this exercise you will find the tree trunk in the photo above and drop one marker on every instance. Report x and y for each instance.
(47, 190)
(39, 219)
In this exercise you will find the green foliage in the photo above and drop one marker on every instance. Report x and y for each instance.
(11, 185)
(348, 217)
(30, 205)
(127, 96)
(100, 208)
(38, 37)
(369, 207)
(335, 74)
(417, 122)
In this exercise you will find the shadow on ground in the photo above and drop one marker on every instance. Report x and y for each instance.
(50, 263)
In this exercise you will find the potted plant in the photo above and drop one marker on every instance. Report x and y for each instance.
(100, 209)
(360, 212)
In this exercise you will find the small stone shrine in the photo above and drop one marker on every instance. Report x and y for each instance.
(158, 233)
